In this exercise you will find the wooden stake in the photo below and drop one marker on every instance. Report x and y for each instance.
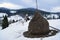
(36, 4)
(41, 38)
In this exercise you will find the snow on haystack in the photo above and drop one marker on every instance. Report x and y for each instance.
(15, 31)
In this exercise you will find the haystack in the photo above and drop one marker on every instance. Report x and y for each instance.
(38, 25)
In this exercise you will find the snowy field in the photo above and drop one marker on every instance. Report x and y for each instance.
(15, 31)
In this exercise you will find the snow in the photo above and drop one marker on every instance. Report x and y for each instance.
(15, 17)
(3, 14)
(15, 31)
(53, 15)
(55, 23)
(13, 12)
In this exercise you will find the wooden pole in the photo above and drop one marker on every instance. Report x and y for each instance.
(37, 11)
(41, 38)
(36, 4)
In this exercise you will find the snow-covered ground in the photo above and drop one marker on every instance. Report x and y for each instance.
(3, 14)
(15, 17)
(15, 31)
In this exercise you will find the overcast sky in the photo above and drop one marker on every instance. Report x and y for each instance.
(47, 5)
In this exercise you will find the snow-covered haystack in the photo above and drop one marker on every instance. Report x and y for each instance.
(39, 27)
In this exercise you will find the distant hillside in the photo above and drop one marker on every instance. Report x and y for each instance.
(22, 12)
(30, 11)
(6, 10)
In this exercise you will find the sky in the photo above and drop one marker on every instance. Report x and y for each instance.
(46, 5)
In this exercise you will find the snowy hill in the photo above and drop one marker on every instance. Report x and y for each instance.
(3, 14)
(15, 31)
(15, 17)
(23, 11)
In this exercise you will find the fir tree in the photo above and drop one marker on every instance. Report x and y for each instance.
(5, 22)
